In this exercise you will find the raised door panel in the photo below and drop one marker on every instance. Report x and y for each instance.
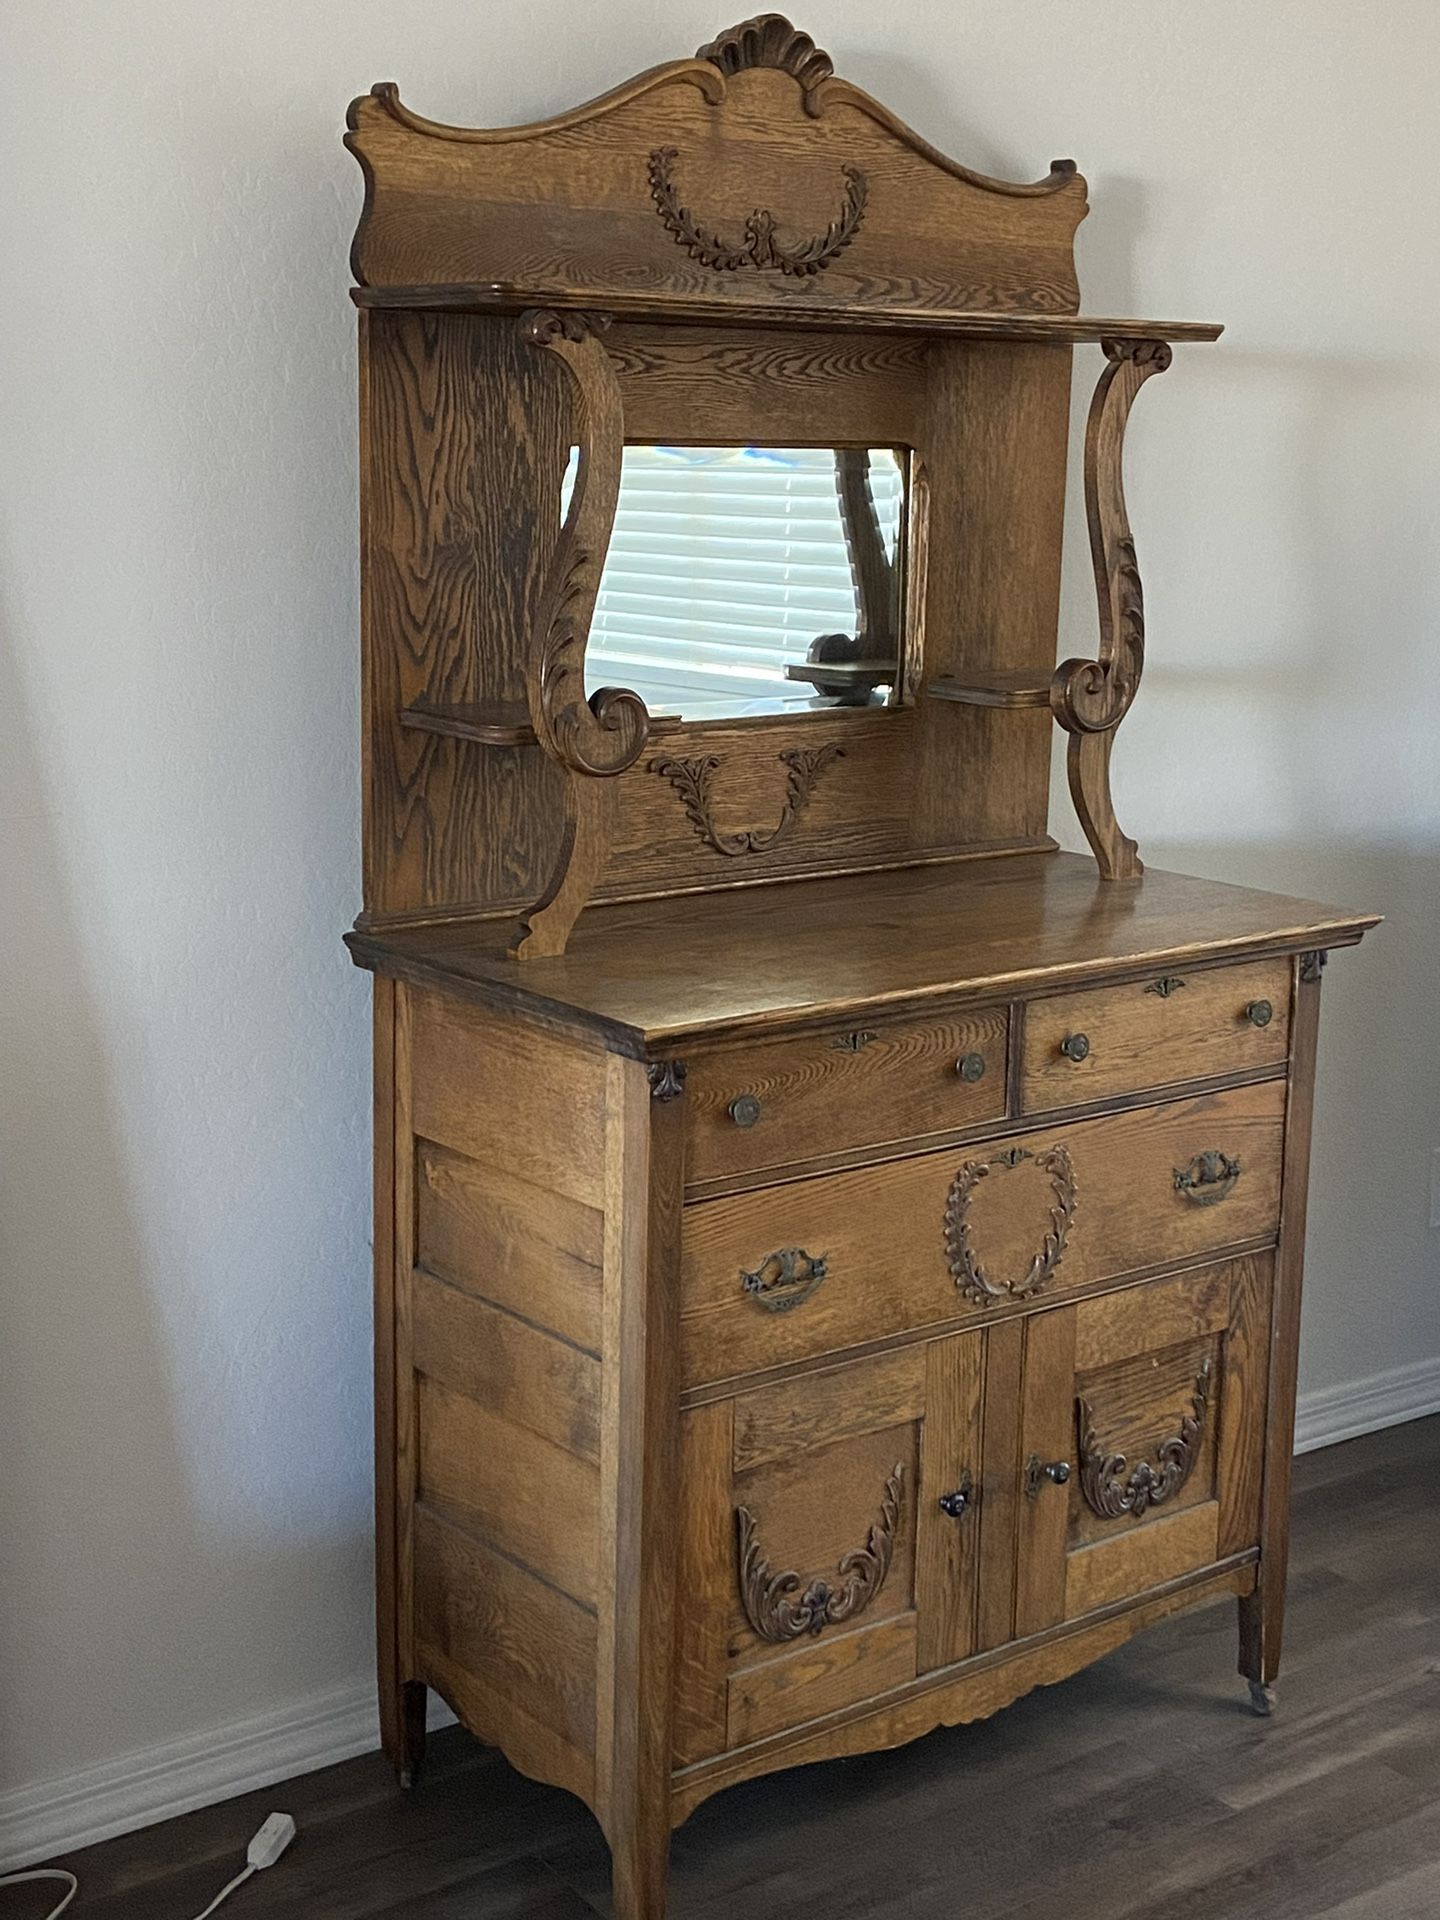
(1141, 1436)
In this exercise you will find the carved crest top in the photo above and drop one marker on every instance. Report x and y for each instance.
(742, 177)
(768, 40)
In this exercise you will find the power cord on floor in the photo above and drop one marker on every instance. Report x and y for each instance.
(264, 1850)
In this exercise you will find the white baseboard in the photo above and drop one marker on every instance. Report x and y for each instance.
(176, 1776)
(1331, 1414)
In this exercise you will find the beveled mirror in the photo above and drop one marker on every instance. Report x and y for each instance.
(753, 579)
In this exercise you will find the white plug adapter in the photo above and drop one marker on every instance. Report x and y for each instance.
(271, 1841)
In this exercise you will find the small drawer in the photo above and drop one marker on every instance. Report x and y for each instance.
(828, 1263)
(1154, 1033)
(779, 1102)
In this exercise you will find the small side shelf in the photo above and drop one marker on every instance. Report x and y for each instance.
(1007, 687)
(497, 723)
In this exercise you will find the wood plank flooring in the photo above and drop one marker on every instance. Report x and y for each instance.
(1139, 1790)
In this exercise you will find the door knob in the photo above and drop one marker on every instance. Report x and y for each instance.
(958, 1503)
(1038, 1471)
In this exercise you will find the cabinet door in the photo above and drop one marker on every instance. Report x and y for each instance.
(1141, 1439)
(812, 1521)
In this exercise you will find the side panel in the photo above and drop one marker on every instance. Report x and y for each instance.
(497, 1336)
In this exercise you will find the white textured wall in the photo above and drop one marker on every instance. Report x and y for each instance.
(184, 1405)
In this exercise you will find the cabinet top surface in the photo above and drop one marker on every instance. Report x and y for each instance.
(752, 960)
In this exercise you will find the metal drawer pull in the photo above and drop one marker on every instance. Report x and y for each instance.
(971, 1067)
(853, 1042)
(1038, 1471)
(958, 1503)
(784, 1280)
(1208, 1179)
(1076, 1046)
(1259, 1013)
(1110, 1492)
(744, 1109)
(774, 1603)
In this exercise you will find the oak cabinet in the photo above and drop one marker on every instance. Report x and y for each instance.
(837, 1256)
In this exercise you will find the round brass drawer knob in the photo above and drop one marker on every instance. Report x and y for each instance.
(744, 1109)
(1076, 1046)
(971, 1067)
(1259, 1013)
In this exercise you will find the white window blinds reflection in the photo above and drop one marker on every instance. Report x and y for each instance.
(725, 564)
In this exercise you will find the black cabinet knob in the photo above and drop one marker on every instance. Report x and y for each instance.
(1259, 1013)
(744, 1109)
(1076, 1046)
(971, 1067)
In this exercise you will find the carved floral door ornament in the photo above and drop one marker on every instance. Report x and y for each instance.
(774, 1604)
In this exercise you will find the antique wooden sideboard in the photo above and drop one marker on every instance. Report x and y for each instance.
(837, 1257)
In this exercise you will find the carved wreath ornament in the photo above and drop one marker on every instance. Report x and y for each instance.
(760, 246)
(975, 1280)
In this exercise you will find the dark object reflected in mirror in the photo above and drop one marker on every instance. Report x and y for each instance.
(753, 580)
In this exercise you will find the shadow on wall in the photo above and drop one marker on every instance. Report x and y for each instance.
(1372, 1300)
(94, 1492)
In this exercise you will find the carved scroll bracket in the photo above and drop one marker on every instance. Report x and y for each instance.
(597, 738)
(1089, 698)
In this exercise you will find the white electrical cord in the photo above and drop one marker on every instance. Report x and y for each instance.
(264, 1850)
(45, 1873)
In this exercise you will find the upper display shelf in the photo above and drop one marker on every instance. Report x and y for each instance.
(1064, 329)
(748, 183)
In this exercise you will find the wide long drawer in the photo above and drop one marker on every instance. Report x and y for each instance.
(819, 1265)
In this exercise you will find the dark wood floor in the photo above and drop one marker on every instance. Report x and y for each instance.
(1139, 1790)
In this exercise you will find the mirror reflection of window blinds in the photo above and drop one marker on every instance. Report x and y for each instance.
(725, 563)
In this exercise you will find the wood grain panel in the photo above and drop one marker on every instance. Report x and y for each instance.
(705, 1575)
(1139, 1037)
(527, 1248)
(995, 450)
(506, 1629)
(824, 1409)
(849, 1088)
(464, 435)
(1047, 1433)
(1000, 1486)
(881, 1229)
(727, 966)
(714, 385)
(536, 1502)
(520, 1371)
(818, 1676)
(1131, 1563)
(1244, 1392)
(1163, 1314)
(947, 1548)
(509, 1096)
(568, 204)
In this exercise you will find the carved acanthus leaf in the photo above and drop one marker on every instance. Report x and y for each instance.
(692, 780)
